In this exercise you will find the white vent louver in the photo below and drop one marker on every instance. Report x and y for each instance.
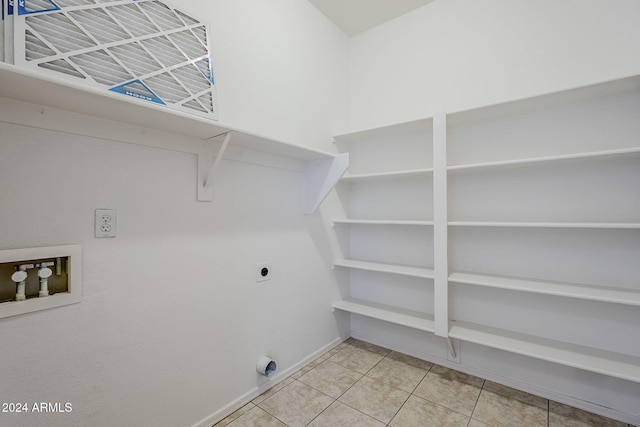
(141, 48)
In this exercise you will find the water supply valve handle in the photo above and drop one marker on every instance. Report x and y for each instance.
(44, 273)
(19, 276)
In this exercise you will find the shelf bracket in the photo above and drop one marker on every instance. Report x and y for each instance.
(321, 177)
(207, 166)
(454, 350)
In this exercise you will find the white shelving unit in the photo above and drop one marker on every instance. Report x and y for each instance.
(548, 183)
(401, 174)
(322, 169)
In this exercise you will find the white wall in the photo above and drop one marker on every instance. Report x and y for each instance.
(280, 67)
(172, 320)
(455, 54)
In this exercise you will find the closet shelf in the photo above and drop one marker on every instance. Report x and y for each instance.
(322, 170)
(385, 175)
(590, 359)
(403, 270)
(596, 225)
(52, 91)
(605, 154)
(424, 126)
(570, 290)
(381, 222)
(398, 316)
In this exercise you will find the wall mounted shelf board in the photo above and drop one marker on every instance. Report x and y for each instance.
(605, 154)
(421, 125)
(587, 358)
(380, 222)
(570, 290)
(408, 318)
(545, 101)
(594, 225)
(48, 90)
(403, 270)
(387, 175)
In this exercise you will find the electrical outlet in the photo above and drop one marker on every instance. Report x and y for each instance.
(263, 272)
(105, 223)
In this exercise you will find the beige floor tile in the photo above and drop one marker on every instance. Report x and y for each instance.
(306, 368)
(276, 388)
(410, 360)
(334, 350)
(522, 396)
(359, 356)
(420, 412)
(503, 411)
(450, 388)
(296, 404)
(395, 370)
(246, 408)
(339, 414)
(476, 423)
(256, 417)
(375, 398)
(561, 415)
(330, 378)
(368, 346)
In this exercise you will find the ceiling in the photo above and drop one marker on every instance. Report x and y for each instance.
(356, 16)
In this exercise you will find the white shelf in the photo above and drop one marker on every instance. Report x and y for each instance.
(554, 99)
(605, 154)
(570, 290)
(595, 225)
(322, 170)
(587, 358)
(408, 318)
(381, 222)
(403, 270)
(385, 175)
(420, 126)
(47, 89)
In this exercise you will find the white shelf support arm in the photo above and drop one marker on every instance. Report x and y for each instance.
(452, 349)
(321, 177)
(207, 167)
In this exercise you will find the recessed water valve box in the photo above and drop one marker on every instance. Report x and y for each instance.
(36, 279)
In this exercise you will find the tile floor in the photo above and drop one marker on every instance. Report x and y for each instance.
(360, 384)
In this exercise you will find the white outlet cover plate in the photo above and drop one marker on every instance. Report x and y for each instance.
(105, 223)
(259, 274)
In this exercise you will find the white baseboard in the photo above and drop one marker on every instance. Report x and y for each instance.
(257, 391)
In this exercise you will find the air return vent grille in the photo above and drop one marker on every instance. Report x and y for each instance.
(145, 49)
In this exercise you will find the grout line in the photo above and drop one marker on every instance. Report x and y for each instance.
(324, 358)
